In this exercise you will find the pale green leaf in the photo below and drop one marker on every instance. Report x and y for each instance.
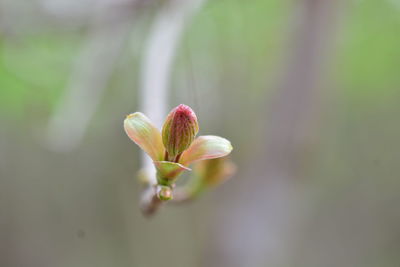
(140, 130)
(206, 147)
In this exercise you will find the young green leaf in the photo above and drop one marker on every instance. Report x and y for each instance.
(140, 130)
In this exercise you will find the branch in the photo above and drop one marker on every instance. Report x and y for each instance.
(292, 121)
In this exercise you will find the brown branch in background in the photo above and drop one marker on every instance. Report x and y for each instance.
(293, 116)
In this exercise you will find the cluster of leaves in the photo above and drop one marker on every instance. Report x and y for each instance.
(175, 148)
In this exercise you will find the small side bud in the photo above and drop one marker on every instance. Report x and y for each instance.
(179, 130)
(164, 193)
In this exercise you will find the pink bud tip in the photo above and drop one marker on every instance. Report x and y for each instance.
(179, 130)
(185, 112)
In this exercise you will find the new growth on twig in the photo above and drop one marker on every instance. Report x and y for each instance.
(173, 151)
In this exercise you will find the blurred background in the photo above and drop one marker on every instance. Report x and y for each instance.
(307, 91)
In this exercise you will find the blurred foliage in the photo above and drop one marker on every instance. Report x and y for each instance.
(34, 69)
(231, 54)
(369, 53)
(250, 33)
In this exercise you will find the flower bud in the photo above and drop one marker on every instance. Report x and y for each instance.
(179, 131)
(164, 193)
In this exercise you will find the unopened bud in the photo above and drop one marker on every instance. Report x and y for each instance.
(164, 192)
(179, 130)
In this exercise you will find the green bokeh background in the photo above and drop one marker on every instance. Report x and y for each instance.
(80, 208)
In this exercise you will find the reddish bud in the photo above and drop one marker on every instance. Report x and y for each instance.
(179, 130)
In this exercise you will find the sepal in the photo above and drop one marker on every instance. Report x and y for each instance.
(168, 172)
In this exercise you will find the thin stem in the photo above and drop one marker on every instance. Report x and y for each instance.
(178, 157)
(166, 156)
